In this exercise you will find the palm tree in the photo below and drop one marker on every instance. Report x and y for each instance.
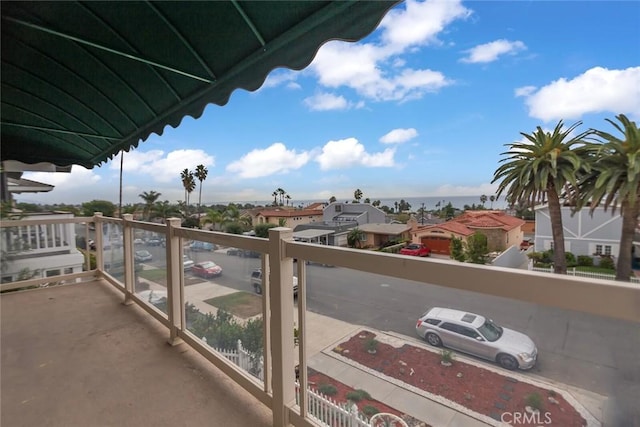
(149, 199)
(332, 199)
(275, 198)
(201, 174)
(281, 193)
(189, 185)
(288, 197)
(165, 209)
(542, 167)
(355, 237)
(492, 199)
(213, 217)
(614, 181)
(483, 199)
(357, 195)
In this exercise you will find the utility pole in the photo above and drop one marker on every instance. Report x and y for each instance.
(422, 219)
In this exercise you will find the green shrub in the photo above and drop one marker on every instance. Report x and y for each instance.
(358, 395)
(607, 262)
(585, 261)
(327, 389)
(370, 410)
(547, 256)
(571, 259)
(371, 345)
(534, 400)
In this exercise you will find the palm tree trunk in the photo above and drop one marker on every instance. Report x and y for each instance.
(629, 221)
(557, 230)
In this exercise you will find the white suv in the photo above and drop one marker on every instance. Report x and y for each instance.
(256, 281)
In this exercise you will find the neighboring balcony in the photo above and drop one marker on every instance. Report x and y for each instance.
(74, 346)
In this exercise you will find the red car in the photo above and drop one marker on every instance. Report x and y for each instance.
(415, 249)
(206, 269)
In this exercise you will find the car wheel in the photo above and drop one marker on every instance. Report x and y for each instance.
(507, 362)
(258, 289)
(433, 339)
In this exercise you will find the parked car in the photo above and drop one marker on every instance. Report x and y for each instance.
(233, 251)
(246, 253)
(206, 269)
(202, 246)
(142, 256)
(187, 262)
(154, 242)
(525, 244)
(138, 241)
(256, 282)
(415, 249)
(475, 334)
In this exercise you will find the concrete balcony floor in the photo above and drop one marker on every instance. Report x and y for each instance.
(75, 356)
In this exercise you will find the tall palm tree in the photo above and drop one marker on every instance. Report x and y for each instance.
(149, 199)
(281, 194)
(288, 197)
(189, 185)
(483, 199)
(201, 174)
(492, 199)
(614, 182)
(542, 167)
(275, 198)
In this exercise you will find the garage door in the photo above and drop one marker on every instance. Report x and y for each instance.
(438, 245)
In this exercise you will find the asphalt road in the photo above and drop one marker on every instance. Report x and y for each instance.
(594, 353)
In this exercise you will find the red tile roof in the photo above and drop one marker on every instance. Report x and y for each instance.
(470, 221)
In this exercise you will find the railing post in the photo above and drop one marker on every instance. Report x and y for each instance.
(129, 266)
(281, 324)
(98, 241)
(175, 294)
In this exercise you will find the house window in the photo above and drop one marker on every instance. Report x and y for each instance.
(53, 273)
(607, 250)
(599, 249)
(68, 270)
(338, 208)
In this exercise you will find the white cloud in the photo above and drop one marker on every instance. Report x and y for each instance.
(597, 90)
(272, 160)
(326, 101)
(525, 90)
(280, 77)
(420, 23)
(156, 166)
(490, 52)
(398, 136)
(375, 71)
(79, 177)
(349, 152)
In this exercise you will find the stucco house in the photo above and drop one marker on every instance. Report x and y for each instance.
(377, 234)
(584, 233)
(337, 219)
(502, 230)
(291, 217)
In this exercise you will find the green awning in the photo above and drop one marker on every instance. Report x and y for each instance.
(83, 80)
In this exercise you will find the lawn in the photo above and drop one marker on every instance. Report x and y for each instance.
(241, 304)
(157, 275)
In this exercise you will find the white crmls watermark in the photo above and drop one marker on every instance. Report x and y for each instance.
(515, 418)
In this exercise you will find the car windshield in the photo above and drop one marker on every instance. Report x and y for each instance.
(413, 247)
(490, 331)
(208, 264)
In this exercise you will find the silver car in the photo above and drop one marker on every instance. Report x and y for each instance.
(474, 334)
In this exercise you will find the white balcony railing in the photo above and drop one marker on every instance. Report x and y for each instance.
(278, 389)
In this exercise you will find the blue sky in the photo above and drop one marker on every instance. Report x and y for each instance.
(421, 107)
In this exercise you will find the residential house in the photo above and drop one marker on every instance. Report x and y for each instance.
(502, 230)
(337, 219)
(39, 250)
(378, 235)
(289, 217)
(584, 233)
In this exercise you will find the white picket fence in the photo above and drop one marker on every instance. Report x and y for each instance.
(243, 359)
(592, 275)
(329, 412)
(322, 408)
